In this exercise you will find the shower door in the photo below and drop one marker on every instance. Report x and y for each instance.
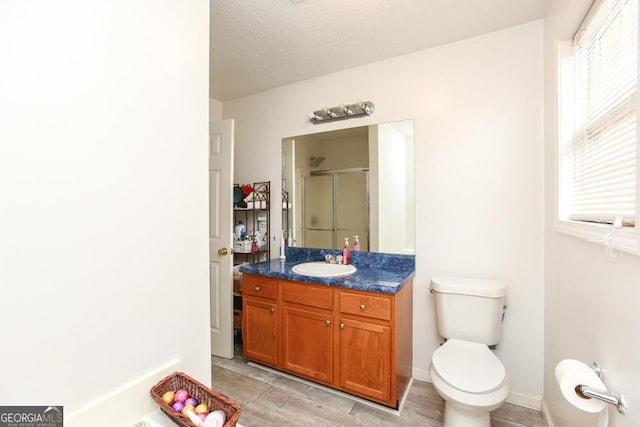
(335, 206)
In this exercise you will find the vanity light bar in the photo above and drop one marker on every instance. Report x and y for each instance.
(342, 112)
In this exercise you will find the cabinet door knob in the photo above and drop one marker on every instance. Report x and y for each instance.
(272, 310)
(341, 325)
(327, 322)
(362, 307)
(257, 288)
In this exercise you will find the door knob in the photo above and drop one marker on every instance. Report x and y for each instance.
(223, 251)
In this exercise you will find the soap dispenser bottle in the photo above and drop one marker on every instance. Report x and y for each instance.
(356, 245)
(346, 252)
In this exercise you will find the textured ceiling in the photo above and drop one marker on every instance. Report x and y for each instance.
(262, 44)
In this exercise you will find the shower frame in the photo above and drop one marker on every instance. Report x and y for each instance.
(337, 242)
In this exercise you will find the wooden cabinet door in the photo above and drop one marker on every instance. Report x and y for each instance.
(260, 333)
(307, 340)
(365, 359)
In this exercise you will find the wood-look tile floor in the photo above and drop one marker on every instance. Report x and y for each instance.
(270, 399)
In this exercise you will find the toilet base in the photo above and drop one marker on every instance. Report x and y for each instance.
(458, 415)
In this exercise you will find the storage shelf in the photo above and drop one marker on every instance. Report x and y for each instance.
(257, 217)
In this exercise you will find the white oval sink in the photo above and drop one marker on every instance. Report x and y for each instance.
(323, 269)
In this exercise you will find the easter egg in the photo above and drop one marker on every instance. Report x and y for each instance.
(186, 409)
(181, 396)
(168, 397)
(202, 409)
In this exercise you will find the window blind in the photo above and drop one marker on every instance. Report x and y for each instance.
(603, 154)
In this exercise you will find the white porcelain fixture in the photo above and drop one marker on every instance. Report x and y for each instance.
(323, 269)
(464, 371)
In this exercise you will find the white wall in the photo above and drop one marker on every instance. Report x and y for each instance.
(591, 299)
(215, 110)
(392, 157)
(477, 106)
(103, 189)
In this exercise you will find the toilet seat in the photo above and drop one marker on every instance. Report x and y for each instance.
(468, 367)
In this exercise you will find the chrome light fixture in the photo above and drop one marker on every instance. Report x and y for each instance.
(342, 112)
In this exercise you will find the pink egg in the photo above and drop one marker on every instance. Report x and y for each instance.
(181, 396)
(202, 416)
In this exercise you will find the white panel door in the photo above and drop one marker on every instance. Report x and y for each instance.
(220, 237)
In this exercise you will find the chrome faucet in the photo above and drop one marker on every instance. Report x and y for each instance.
(333, 259)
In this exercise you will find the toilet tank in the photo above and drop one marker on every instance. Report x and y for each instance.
(469, 309)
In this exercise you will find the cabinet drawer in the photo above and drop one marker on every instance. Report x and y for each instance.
(377, 307)
(259, 287)
(312, 296)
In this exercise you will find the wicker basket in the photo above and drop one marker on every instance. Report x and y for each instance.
(203, 394)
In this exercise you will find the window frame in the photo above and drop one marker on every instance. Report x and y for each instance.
(626, 239)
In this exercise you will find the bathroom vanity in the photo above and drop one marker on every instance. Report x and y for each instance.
(351, 333)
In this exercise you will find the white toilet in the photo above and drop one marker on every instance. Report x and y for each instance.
(464, 371)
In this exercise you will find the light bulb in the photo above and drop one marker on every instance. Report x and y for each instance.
(346, 109)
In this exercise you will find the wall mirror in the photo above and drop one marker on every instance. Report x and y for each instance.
(351, 182)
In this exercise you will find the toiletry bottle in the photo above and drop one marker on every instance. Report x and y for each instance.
(241, 231)
(346, 252)
(356, 245)
(282, 252)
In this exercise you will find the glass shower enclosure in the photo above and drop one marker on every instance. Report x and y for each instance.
(335, 206)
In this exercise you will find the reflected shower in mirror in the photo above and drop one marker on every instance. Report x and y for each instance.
(351, 182)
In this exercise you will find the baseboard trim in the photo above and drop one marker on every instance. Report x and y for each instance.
(125, 405)
(546, 413)
(525, 400)
(421, 375)
(403, 399)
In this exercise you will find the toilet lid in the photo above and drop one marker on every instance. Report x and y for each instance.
(468, 366)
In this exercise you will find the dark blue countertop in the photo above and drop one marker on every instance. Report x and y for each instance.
(376, 272)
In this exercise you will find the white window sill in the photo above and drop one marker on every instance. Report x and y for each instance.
(626, 239)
